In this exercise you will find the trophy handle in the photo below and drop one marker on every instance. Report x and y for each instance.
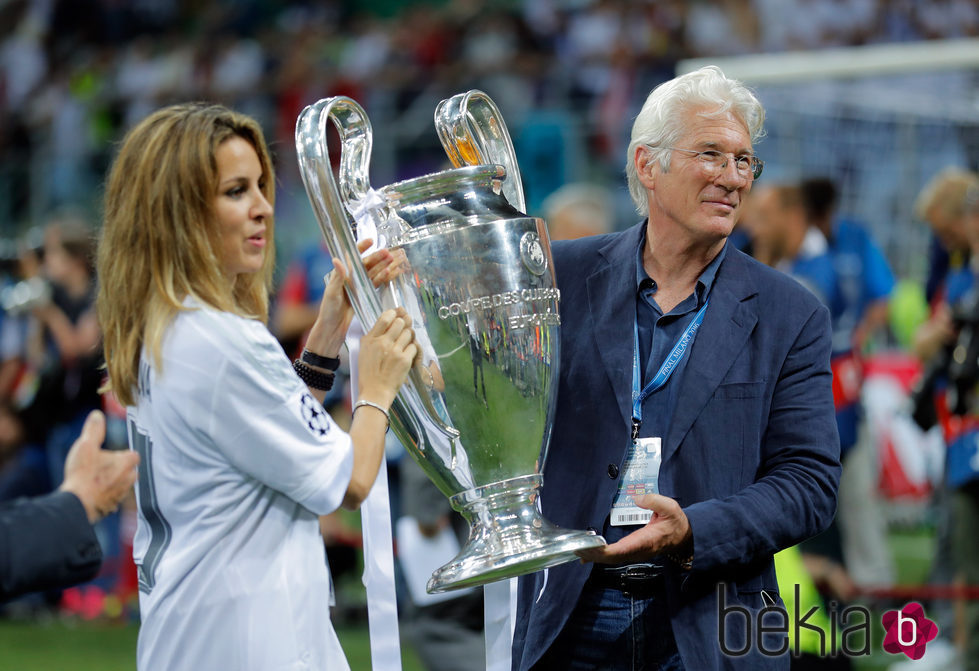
(472, 132)
(330, 205)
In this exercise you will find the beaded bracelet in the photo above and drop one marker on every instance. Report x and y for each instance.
(320, 361)
(314, 379)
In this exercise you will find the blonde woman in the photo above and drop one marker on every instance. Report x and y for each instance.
(237, 457)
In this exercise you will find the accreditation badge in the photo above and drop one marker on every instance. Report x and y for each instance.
(640, 476)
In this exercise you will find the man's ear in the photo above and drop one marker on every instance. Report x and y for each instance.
(647, 167)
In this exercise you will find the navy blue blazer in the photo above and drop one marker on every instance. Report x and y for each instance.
(45, 543)
(752, 454)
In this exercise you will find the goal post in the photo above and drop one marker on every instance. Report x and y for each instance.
(844, 62)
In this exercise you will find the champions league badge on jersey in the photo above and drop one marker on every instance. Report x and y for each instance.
(315, 415)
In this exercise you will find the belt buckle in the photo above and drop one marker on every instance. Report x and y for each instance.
(640, 579)
(641, 571)
(638, 573)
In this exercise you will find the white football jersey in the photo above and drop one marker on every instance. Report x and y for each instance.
(237, 461)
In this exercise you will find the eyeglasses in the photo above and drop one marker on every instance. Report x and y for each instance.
(714, 161)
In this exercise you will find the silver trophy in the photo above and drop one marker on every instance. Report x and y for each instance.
(479, 285)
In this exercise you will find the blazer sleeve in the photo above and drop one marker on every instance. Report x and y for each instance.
(46, 542)
(794, 494)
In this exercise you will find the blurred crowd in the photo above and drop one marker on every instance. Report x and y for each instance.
(75, 74)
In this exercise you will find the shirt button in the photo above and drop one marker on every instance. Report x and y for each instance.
(613, 471)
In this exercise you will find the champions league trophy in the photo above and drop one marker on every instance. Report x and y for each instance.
(478, 283)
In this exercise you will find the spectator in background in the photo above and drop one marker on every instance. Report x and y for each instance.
(66, 353)
(722, 28)
(865, 276)
(25, 288)
(939, 19)
(57, 383)
(941, 204)
(963, 464)
(578, 210)
(23, 460)
(48, 542)
(592, 36)
(446, 631)
(71, 335)
(864, 281)
(952, 381)
(783, 239)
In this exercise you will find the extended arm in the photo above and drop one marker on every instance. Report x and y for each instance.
(794, 495)
(45, 543)
(48, 541)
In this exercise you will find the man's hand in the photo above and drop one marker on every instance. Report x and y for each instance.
(101, 479)
(667, 532)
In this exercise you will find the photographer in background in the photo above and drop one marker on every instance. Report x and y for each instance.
(948, 346)
(24, 288)
(54, 351)
(55, 346)
(23, 460)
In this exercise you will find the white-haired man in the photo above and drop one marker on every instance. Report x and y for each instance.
(694, 425)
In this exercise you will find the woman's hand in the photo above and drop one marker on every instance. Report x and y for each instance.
(386, 356)
(384, 265)
(330, 328)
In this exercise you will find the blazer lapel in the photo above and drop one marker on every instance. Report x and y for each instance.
(613, 313)
(727, 324)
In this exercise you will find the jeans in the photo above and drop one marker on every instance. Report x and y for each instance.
(613, 631)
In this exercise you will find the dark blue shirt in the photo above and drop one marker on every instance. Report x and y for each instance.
(658, 334)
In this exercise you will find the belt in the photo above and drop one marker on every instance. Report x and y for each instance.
(639, 580)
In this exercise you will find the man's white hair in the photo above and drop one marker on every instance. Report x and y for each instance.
(663, 117)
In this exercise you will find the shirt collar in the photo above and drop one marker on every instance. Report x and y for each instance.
(704, 282)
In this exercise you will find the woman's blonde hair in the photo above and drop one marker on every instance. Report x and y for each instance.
(160, 242)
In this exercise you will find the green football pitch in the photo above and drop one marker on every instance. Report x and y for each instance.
(69, 645)
(61, 645)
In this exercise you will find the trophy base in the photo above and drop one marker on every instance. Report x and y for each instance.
(509, 537)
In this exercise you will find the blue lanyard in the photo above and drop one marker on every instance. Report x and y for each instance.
(665, 371)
